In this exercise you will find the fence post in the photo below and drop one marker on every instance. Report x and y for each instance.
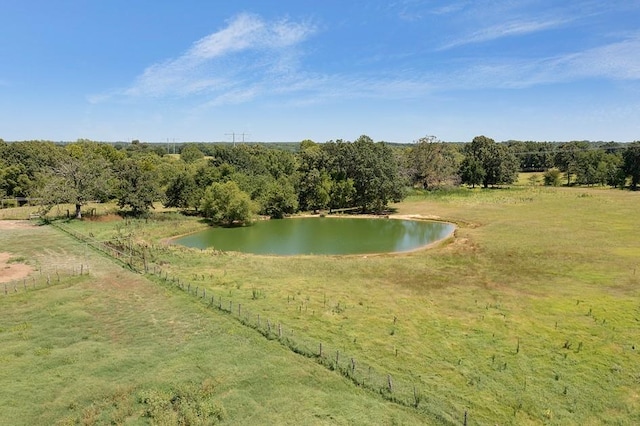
(389, 383)
(465, 417)
(320, 349)
(5, 289)
(258, 320)
(230, 306)
(353, 366)
(279, 330)
(337, 359)
(239, 309)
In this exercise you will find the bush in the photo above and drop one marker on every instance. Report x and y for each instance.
(552, 177)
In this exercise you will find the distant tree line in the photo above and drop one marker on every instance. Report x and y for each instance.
(231, 183)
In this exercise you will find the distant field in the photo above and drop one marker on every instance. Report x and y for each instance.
(529, 316)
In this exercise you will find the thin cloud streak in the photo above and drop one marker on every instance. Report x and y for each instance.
(509, 29)
(212, 65)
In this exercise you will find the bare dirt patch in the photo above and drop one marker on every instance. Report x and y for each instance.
(16, 224)
(12, 271)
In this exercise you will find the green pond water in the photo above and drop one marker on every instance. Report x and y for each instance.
(321, 236)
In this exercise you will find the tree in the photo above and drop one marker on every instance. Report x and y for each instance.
(137, 185)
(77, 180)
(471, 171)
(225, 203)
(280, 198)
(552, 177)
(568, 157)
(314, 182)
(432, 163)
(190, 153)
(314, 190)
(631, 163)
(493, 163)
(182, 191)
(374, 171)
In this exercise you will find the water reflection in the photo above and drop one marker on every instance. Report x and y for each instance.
(321, 236)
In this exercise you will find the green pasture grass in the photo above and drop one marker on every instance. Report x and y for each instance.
(528, 316)
(113, 347)
(61, 210)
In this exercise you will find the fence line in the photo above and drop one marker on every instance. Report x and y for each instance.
(359, 373)
(362, 374)
(43, 279)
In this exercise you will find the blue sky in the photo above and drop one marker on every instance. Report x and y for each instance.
(284, 70)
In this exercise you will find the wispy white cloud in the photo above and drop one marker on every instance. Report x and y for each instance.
(220, 63)
(614, 61)
(506, 29)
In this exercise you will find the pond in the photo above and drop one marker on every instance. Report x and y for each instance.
(321, 236)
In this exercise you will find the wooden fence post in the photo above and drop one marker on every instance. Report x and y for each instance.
(389, 383)
(279, 330)
(239, 309)
(337, 359)
(320, 349)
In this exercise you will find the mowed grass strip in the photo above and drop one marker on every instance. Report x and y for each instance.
(530, 315)
(115, 348)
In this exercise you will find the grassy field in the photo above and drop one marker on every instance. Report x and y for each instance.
(113, 347)
(529, 315)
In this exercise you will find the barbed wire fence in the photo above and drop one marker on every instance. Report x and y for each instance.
(397, 390)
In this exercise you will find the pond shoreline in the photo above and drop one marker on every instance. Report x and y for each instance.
(405, 217)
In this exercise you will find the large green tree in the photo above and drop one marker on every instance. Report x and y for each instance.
(79, 177)
(491, 161)
(280, 198)
(182, 191)
(568, 158)
(374, 171)
(631, 163)
(226, 203)
(432, 163)
(137, 186)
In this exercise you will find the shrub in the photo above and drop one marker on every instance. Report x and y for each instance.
(552, 177)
